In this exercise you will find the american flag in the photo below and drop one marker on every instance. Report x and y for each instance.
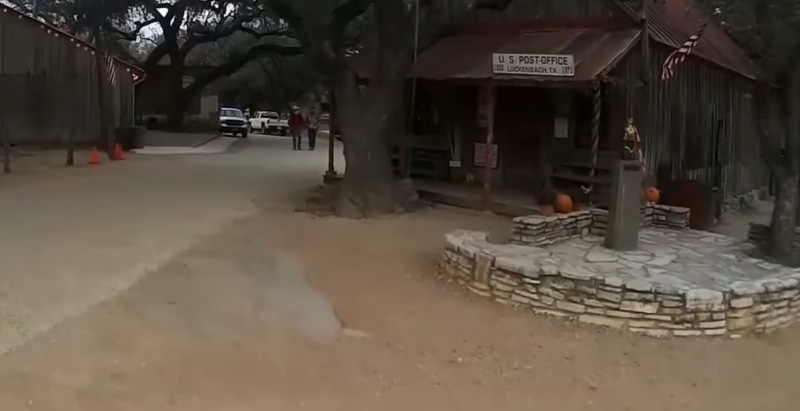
(679, 56)
(111, 70)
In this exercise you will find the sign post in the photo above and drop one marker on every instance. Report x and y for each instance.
(554, 65)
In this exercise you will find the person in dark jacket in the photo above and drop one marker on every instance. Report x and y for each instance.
(297, 124)
(313, 126)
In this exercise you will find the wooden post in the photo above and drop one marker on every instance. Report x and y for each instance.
(71, 146)
(597, 98)
(487, 178)
(6, 150)
(645, 27)
(332, 119)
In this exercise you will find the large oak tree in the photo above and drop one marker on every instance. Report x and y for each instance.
(328, 31)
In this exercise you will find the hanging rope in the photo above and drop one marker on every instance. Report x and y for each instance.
(597, 100)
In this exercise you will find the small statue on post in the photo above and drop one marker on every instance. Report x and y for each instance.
(624, 218)
(631, 141)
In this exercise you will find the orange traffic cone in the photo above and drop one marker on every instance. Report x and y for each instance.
(94, 159)
(118, 154)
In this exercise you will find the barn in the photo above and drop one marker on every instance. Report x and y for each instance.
(49, 81)
(562, 128)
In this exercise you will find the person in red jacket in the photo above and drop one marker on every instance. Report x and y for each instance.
(296, 126)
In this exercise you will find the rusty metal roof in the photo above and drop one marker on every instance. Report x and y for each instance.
(470, 56)
(671, 22)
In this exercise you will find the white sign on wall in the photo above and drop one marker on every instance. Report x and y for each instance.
(560, 65)
(479, 158)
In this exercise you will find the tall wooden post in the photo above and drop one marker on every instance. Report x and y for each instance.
(6, 150)
(4, 107)
(645, 28)
(332, 122)
(487, 178)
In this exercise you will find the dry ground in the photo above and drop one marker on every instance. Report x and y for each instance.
(196, 335)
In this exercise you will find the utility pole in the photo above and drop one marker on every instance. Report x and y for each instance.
(35, 9)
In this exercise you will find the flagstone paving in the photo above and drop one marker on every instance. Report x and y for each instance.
(673, 259)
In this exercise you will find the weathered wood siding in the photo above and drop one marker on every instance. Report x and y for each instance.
(699, 125)
(49, 86)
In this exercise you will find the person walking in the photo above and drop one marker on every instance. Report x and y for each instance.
(296, 125)
(313, 126)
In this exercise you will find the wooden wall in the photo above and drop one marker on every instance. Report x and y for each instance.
(54, 85)
(699, 125)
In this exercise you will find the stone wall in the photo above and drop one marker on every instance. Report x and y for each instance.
(758, 234)
(545, 230)
(526, 277)
(670, 216)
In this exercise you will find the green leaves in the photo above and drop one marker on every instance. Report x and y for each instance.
(271, 83)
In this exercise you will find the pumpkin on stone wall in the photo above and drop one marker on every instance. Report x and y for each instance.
(563, 204)
(652, 195)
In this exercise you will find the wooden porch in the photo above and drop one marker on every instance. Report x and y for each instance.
(504, 202)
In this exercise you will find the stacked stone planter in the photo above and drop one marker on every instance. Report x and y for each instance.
(532, 278)
(669, 216)
(540, 230)
(545, 230)
(599, 224)
(758, 234)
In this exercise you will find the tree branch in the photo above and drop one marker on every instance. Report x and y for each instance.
(344, 15)
(198, 37)
(129, 35)
(155, 56)
(235, 63)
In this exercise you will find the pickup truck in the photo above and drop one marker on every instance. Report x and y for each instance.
(232, 121)
(278, 125)
(269, 122)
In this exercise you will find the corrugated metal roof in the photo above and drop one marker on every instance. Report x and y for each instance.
(470, 56)
(671, 22)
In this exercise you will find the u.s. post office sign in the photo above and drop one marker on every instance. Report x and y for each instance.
(533, 64)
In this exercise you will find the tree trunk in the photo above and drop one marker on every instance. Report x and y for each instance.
(176, 114)
(176, 111)
(784, 215)
(369, 116)
(368, 187)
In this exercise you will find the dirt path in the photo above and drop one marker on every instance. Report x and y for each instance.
(204, 333)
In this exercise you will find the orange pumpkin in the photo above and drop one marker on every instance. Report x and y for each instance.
(563, 204)
(652, 195)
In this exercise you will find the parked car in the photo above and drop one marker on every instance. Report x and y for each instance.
(278, 125)
(261, 119)
(232, 121)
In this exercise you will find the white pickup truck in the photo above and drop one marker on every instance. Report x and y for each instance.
(269, 122)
